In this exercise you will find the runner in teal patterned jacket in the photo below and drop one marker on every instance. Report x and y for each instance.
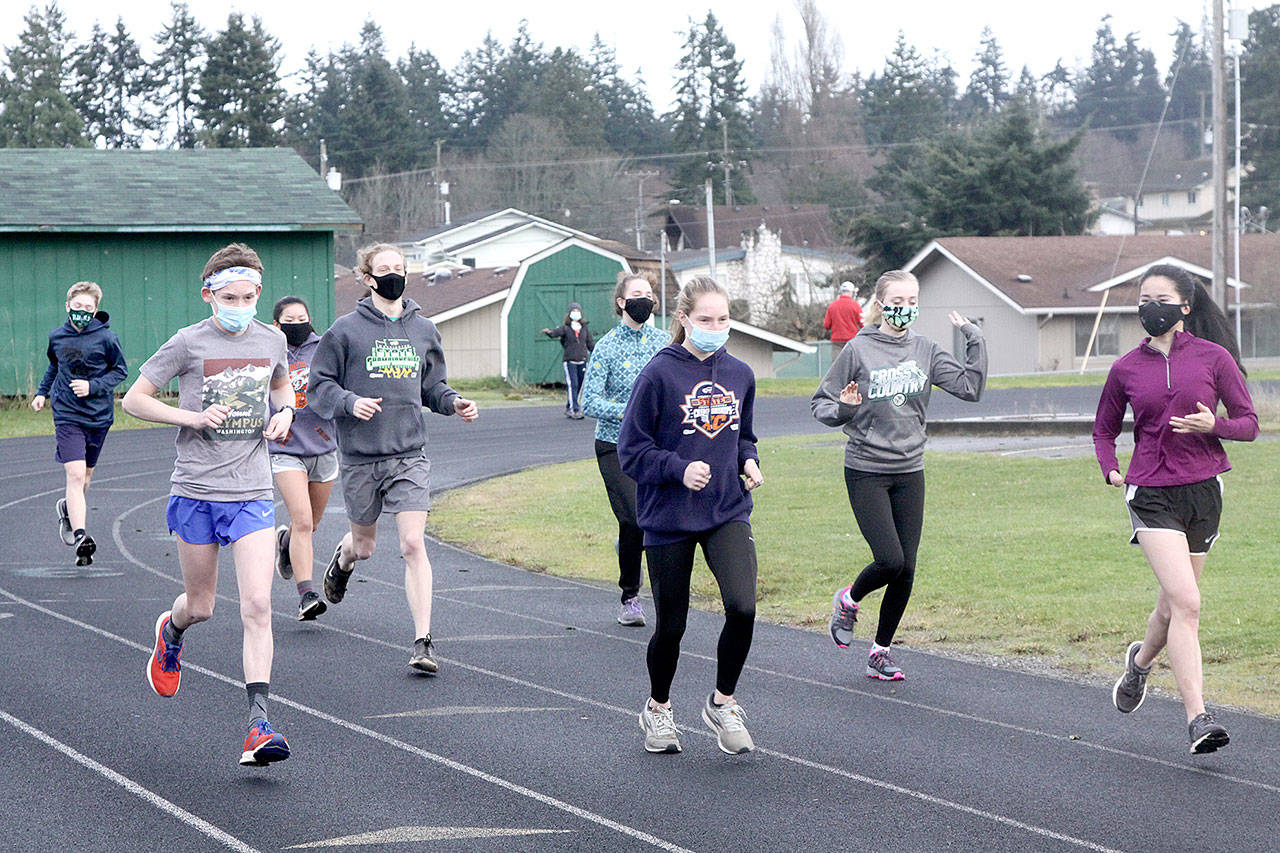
(611, 372)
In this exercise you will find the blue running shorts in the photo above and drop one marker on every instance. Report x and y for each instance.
(205, 522)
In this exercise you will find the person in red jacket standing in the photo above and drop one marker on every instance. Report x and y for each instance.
(843, 318)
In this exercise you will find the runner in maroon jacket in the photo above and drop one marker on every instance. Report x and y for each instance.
(1174, 382)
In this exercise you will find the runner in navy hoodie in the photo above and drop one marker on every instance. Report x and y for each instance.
(86, 364)
(686, 440)
(1174, 381)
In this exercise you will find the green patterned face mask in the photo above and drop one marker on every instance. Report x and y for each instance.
(80, 319)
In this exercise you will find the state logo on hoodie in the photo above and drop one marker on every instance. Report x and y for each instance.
(709, 408)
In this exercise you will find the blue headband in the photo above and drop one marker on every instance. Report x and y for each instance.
(221, 279)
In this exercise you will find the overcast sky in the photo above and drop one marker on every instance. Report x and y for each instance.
(646, 34)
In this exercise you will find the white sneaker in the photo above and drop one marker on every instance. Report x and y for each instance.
(729, 722)
(659, 726)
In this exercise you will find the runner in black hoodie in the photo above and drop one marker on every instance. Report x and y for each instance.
(576, 339)
(686, 439)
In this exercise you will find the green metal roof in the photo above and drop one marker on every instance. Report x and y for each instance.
(217, 189)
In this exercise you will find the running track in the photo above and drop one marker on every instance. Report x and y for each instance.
(528, 739)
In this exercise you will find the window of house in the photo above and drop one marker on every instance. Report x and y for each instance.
(1108, 340)
(1164, 199)
(1191, 196)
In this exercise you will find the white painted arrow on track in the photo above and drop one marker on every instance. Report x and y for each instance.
(408, 834)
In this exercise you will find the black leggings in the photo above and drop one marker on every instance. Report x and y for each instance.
(890, 512)
(622, 500)
(573, 373)
(731, 554)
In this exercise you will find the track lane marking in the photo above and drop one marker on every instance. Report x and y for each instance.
(197, 823)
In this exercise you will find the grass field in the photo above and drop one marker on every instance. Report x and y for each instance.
(1022, 559)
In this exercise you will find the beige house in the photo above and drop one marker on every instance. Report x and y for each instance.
(1038, 298)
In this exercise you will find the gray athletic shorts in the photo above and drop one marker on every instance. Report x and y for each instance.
(388, 485)
(319, 469)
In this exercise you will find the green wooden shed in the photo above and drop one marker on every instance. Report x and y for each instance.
(142, 224)
(573, 270)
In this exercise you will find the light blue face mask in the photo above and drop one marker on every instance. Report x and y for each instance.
(899, 316)
(236, 320)
(705, 340)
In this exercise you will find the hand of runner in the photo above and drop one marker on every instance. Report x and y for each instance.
(751, 474)
(1199, 421)
(79, 387)
(37, 402)
(366, 407)
(696, 476)
(466, 409)
(1116, 479)
(210, 418)
(957, 319)
(278, 428)
(849, 395)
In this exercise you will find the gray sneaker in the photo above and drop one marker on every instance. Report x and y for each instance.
(283, 565)
(659, 727)
(843, 618)
(729, 722)
(631, 613)
(881, 666)
(64, 523)
(1131, 688)
(1206, 734)
(422, 659)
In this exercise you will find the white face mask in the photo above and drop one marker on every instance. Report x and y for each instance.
(575, 316)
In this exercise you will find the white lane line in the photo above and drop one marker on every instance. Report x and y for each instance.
(98, 481)
(460, 710)
(409, 834)
(1043, 449)
(131, 786)
(498, 781)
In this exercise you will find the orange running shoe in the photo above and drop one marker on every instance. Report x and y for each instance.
(263, 745)
(164, 670)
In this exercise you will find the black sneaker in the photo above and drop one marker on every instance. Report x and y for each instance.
(422, 659)
(64, 523)
(85, 548)
(310, 606)
(1131, 688)
(1206, 734)
(335, 579)
(283, 565)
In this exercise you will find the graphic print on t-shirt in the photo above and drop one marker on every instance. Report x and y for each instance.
(299, 375)
(898, 383)
(709, 408)
(240, 383)
(392, 358)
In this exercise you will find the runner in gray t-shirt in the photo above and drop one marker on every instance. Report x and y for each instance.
(226, 367)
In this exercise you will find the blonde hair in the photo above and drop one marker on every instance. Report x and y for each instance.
(88, 287)
(364, 257)
(621, 288)
(882, 284)
(233, 255)
(693, 290)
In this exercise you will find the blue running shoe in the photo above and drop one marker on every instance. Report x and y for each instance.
(263, 746)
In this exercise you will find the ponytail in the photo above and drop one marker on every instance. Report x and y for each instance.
(694, 289)
(1206, 320)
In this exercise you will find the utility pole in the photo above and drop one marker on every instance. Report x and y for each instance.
(728, 182)
(435, 179)
(1219, 158)
(711, 231)
(1238, 32)
(324, 161)
(653, 173)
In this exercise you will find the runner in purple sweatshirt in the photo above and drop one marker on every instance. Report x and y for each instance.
(686, 440)
(1174, 382)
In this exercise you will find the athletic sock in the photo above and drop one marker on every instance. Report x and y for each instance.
(846, 597)
(257, 691)
(77, 533)
(876, 647)
(304, 587)
(172, 635)
(714, 703)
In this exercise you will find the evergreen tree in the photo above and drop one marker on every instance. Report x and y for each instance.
(711, 108)
(563, 92)
(429, 91)
(376, 122)
(631, 127)
(483, 100)
(1260, 104)
(908, 100)
(239, 96)
(176, 71)
(113, 88)
(1121, 86)
(89, 93)
(989, 83)
(36, 111)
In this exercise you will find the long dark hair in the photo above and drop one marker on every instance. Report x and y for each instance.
(285, 302)
(1206, 319)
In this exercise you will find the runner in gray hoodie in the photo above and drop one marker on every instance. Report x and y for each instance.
(877, 390)
(372, 373)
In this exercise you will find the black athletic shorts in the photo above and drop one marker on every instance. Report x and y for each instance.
(1193, 510)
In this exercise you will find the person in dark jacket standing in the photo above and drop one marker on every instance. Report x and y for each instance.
(304, 463)
(687, 441)
(1174, 381)
(576, 340)
(86, 363)
(373, 372)
(878, 390)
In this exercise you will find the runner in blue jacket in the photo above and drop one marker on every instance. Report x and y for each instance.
(687, 441)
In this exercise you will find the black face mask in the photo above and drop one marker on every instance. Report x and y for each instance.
(296, 333)
(1159, 317)
(390, 286)
(639, 308)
